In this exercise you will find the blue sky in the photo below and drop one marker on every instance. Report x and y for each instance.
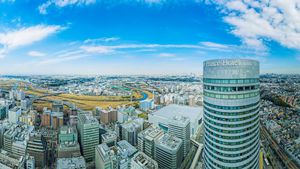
(145, 36)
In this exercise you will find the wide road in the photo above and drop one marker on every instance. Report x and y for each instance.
(290, 164)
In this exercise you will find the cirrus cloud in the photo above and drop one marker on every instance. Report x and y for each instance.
(13, 39)
(257, 22)
(63, 3)
(34, 53)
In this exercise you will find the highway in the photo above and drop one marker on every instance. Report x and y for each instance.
(290, 164)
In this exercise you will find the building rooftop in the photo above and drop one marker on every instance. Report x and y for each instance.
(124, 146)
(87, 117)
(71, 163)
(104, 150)
(150, 133)
(169, 142)
(182, 120)
(67, 130)
(144, 161)
(109, 135)
(179, 110)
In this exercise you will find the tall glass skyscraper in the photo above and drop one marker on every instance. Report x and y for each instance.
(231, 121)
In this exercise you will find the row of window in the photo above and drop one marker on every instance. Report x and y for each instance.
(231, 137)
(231, 125)
(230, 155)
(231, 161)
(208, 110)
(231, 96)
(229, 143)
(230, 107)
(230, 131)
(224, 167)
(230, 81)
(230, 149)
(231, 89)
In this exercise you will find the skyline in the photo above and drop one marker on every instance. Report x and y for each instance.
(145, 37)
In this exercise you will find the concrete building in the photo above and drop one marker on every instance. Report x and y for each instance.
(68, 145)
(28, 118)
(3, 112)
(105, 158)
(37, 147)
(168, 152)
(56, 119)
(125, 152)
(67, 134)
(110, 138)
(14, 114)
(147, 104)
(8, 161)
(142, 161)
(46, 118)
(30, 162)
(161, 117)
(179, 126)
(16, 138)
(147, 138)
(71, 163)
(19, 148)
(231, 107)
(108, 116)
(88, 128)
(130, 132)
(57, 106)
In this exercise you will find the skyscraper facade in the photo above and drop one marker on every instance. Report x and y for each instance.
(180, 127)
(231, 106)
(88, 129)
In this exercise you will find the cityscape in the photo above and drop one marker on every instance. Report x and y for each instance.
(149, 84)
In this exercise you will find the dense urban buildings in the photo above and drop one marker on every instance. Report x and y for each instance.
(231, 106)
(181, 122)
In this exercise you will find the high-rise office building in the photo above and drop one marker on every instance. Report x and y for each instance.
(88, 128)
(168, 152)
(37, 147)
(68, 145)
(130, 132)
(105, 158)
(14, 114)
(147, 138)
(231, 106)
(180, 127)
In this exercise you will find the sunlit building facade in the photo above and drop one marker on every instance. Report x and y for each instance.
(231, 121)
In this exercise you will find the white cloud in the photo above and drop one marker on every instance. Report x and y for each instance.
(25, 36)
(167, 55)
(214, 45)
(256, 22)
(36, 53)
(97, 49)
(110, 39)
(63, 3)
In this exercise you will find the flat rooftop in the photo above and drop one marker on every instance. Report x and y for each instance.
(179, 110)
(67, 130)
(67, 163)
(109, 135)
(125, 146)
(87, 117)
(169, 142)
(144, 161)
